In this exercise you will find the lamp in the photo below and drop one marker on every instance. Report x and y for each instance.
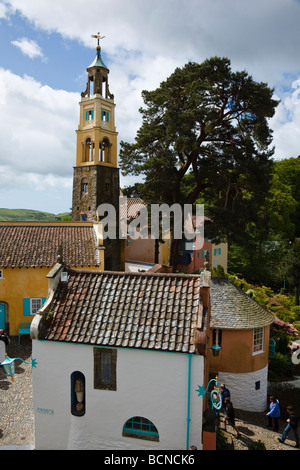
(9, 366)
(216, 349)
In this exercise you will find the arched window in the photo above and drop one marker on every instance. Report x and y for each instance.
(77, 393)
(105, 150)
(84, 187)
(88, 150)
(140, 428)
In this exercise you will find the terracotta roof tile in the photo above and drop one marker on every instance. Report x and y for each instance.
(37, 245)
(132, 310)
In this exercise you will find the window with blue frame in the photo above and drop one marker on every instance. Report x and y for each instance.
(33, 305)
(140, 428)
(217, 251)
(89, 115)
(104, 116)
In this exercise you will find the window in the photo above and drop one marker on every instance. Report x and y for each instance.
(105, 364)
(204, 253)
(84, 187)
(88, 150)
(33, 305)
(258, 340)
(1, 274)
(217, 251)
(140, 428)
(217, 337)
(104, 116)
(89, 115)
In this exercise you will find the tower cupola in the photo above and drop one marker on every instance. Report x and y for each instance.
(97, 83)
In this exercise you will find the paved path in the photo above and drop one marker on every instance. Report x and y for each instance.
(16, 422)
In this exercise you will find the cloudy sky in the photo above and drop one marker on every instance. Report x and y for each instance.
(46, 46)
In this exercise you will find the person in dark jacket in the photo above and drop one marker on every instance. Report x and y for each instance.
(274, 413)
(4, 337)
(225, 392)
(230, 415)
(292, 425)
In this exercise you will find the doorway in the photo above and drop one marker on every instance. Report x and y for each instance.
(2, 316)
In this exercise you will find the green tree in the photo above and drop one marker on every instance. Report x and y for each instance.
(288, 173)
(205, 130)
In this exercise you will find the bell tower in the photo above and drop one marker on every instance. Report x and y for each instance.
(96, 175)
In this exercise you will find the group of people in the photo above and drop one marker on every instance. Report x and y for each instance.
(273, 416)
(273, 420)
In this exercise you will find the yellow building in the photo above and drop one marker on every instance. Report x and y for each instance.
(96, 175)
(28, 251)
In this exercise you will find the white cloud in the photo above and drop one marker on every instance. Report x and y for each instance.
(37, 133)
(286, 124)
(29, 47)
(261, 36)
(145, 42)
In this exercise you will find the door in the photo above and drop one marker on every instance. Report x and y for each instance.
(2, 316)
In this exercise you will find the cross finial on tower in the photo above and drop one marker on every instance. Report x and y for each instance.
(98, 37)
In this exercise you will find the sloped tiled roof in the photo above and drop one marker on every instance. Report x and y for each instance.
(25, 245)
(132, 207)
(231, 308)
(117, 309)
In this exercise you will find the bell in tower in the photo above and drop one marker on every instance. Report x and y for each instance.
(96, 175)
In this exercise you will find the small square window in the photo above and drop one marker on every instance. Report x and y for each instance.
(35, 305)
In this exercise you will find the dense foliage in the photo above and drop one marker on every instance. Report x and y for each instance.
(205, 135)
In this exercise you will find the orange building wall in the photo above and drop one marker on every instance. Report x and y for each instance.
(236, 353)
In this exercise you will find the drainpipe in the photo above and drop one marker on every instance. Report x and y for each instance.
(188, 419)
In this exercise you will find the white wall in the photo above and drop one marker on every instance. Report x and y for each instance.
(150, 384)
(242, 389)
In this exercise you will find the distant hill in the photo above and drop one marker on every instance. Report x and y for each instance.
(28, 215)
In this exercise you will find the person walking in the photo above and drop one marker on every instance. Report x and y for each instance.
(292, 425)
(274, 413)
(225, 392)
(230, 415)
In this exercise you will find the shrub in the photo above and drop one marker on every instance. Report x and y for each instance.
(281, 368)
(296, 312)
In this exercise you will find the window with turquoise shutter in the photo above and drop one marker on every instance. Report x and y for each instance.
(104, 116)
(89, 115)
(204, 253)
(32, 305)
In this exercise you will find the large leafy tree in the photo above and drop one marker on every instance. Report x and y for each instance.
(205, 132)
